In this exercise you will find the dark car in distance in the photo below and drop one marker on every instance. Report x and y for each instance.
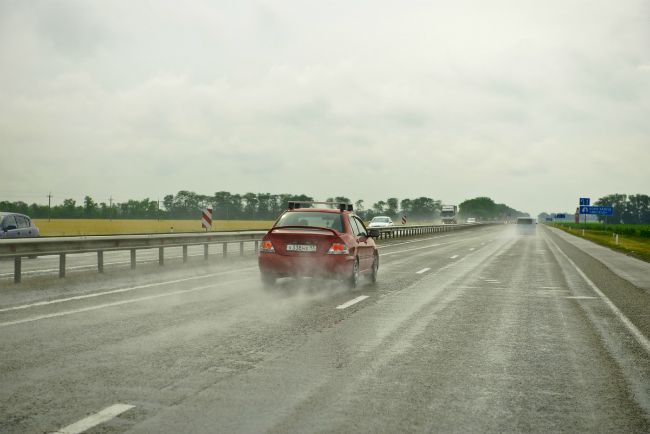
(319, 242)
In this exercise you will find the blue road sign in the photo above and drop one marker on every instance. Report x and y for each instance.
(599, 210)
(585, 201)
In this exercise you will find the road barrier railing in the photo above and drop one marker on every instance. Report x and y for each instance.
(17, 249)
(414, 230)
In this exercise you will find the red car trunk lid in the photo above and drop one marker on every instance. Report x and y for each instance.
(302, 241)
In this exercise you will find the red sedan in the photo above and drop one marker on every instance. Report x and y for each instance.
(319, 242)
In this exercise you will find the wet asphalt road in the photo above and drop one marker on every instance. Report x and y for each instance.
(475, 331)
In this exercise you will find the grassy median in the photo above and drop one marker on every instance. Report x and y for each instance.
(633, 245)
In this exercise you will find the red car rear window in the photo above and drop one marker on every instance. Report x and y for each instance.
(313, 219)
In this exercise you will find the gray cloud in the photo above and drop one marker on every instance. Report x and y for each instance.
(533, 104)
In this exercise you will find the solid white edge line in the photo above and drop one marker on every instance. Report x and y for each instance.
(116, 291)
(413, 241)
(424, 270)
(351, 302)
(643, 341)
(94, 266)
(115, 303)
(419, 248)
(95, 419)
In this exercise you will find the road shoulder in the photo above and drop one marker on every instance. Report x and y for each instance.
(634, 270)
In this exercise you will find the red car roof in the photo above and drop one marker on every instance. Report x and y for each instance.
(330, 210)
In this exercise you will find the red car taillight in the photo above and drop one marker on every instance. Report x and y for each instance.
(267, 247)
(338, 249)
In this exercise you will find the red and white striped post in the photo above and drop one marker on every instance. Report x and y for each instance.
(404, 219)
(206, 218)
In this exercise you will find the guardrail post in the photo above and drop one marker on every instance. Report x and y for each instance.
(205, 252)
(161, 256)
(257, 246)
(225, 249)
(18, 265)
(62, 265)
(241, 248)
(132, 259)
(184, 254)
(100, 261)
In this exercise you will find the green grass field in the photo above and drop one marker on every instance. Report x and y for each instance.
(630, 238)
(76, 227)
(64, 227)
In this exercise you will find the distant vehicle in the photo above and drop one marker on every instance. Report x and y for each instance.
(526, 225)
(319, 242)
(381, 222)
(14, 225)
(448, 214)
(470, 220)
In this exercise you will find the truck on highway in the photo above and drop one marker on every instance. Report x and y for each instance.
(448, 214)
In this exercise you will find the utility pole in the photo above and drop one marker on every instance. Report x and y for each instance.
(110, 208)
(158, 211)
(49, 206)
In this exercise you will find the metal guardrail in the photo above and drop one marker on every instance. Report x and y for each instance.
(411, 230)
(62, 246)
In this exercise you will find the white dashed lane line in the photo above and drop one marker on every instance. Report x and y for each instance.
(454, 257)
(115, 291)
(95, 419)
(472, 248)
(424, 270)
(352, 302)
(118, 303)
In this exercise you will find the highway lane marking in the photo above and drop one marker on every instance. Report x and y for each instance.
(351, 302)
(117, 291)
(581, 297)
(115, 303)
(95, 419)
(424, 270)
(643, 341)
(472, 248)
(418, 248)
(454, 257)
(94, 266)
(413, 241)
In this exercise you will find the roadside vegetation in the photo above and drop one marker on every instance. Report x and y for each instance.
(633, 240)
(633, 209)
(187, 205)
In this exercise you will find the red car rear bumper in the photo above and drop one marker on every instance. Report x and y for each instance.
(308, 266)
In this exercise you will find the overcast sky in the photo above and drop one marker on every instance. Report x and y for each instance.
(533, 103)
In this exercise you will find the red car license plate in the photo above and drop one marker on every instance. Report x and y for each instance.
(301, 248)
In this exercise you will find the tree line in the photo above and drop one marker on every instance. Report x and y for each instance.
(484, 208)
(249, 206)
(628, 209)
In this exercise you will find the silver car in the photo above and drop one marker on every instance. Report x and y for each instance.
(381, 222)
(14, 225)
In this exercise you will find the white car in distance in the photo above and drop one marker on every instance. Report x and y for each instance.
(471, 220)
(381, 222)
